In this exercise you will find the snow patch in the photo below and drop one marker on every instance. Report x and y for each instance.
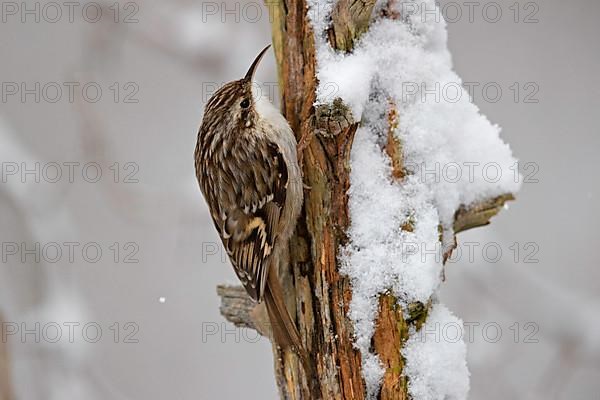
(435, 358)
(454, 156)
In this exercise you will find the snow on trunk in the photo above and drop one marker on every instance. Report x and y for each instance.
(453, 156)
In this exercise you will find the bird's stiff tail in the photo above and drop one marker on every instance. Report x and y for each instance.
(284, 330)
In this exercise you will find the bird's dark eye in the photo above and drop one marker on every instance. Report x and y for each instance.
(245, 103)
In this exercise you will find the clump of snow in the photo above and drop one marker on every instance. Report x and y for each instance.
(435, 358)
(453, 148)
(453, 154)
(382, 257)
(372, 372)
(379, 252)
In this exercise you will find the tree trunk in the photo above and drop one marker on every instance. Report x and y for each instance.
(5, 381)
(318, 294)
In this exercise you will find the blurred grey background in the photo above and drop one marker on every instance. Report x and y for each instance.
(140, 319)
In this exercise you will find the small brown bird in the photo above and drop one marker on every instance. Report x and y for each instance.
(247, 168)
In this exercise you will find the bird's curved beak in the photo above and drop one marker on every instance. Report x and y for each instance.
(252, 70)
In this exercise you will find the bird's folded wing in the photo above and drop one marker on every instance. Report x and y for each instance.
(246, 196)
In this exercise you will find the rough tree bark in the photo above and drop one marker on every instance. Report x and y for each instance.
(5, 381)
(318, 294)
